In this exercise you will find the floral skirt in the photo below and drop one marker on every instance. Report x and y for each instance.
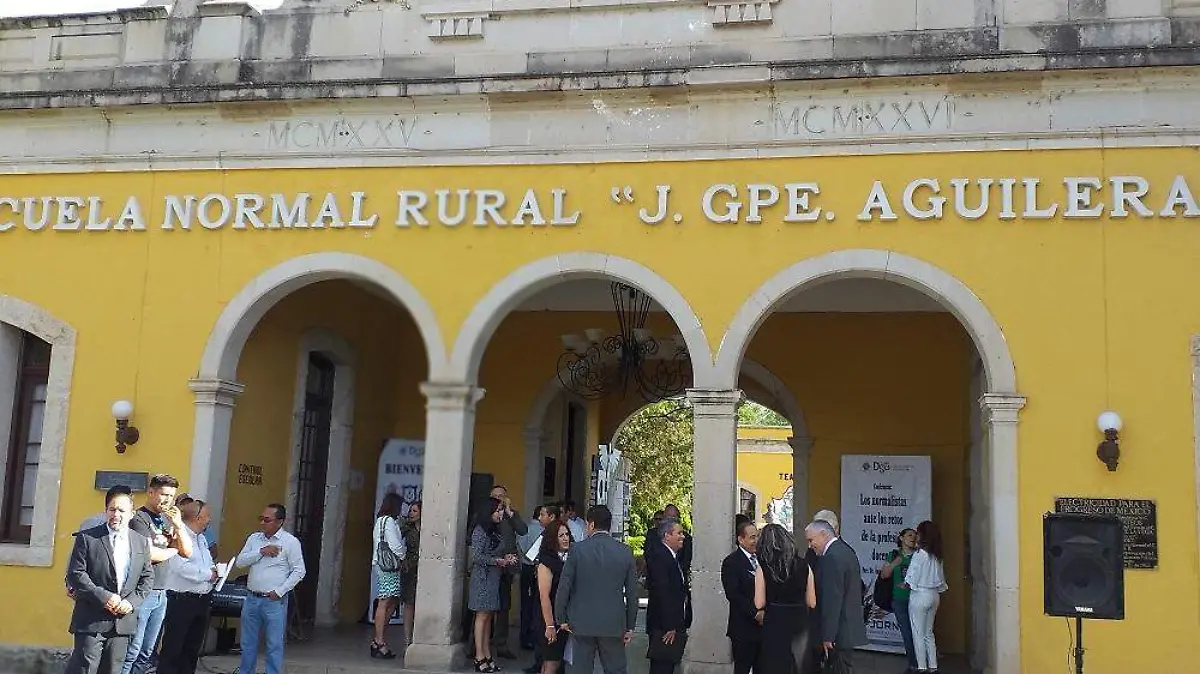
(389, 583)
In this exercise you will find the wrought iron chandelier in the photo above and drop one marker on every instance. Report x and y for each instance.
(595, 366)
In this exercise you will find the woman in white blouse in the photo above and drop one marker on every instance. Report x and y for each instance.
(927, 580)
(386, 532)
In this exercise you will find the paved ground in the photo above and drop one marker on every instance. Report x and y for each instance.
(345, 651)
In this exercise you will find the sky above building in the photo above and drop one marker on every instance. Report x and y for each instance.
(43, 7)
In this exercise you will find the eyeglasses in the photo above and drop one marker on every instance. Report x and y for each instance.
(267, 520)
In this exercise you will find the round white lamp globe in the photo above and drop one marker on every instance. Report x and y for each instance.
(1109, 421)
(122, 410)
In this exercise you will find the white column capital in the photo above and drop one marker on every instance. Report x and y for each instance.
(450, 396)
(1001, 408)
(801, 444)
(715, 402)
(219, 392)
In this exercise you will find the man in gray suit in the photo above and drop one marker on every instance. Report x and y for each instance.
(109, 576)
(839, 594)
(597, 598)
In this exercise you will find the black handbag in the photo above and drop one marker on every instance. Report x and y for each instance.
(883, 593)
(384, 557)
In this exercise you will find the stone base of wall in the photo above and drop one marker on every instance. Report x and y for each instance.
(16, 659)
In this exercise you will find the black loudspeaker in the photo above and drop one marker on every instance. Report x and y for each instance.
(1084, 567)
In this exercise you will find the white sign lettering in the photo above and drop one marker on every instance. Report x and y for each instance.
(727, 203)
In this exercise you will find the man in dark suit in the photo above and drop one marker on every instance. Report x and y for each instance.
(597, 599)
(669, 614)
(737, 578)
(109, 576)
(839, 594)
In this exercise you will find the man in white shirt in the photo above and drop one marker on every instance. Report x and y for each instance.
(276, 566)
(189, 586)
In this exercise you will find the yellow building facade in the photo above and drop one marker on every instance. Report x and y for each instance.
(982, 308)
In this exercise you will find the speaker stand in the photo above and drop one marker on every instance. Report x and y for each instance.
(1078, 645)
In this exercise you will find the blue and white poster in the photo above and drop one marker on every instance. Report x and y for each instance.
(882, 495)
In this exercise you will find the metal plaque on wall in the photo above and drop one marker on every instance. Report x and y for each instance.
(1139, 518)
(107, 479)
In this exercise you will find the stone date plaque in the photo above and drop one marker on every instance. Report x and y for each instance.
(1139, 519)
(107, 479)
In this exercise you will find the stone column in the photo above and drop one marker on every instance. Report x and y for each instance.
(214, 399)
(449, 436)
(801, 452)
(534, 437)
(715, 413)
(1000, 411)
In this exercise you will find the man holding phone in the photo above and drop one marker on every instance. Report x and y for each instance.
(158, 521)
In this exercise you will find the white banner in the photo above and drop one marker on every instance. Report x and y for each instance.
(401, 465)
(882, 495)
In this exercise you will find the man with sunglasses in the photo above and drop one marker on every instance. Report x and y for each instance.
(276, 565)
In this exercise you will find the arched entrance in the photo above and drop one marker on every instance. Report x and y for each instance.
(520, 329)
(301, 394)
(998, 581)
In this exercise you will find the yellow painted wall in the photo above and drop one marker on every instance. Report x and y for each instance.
(884, 384)
(767, 473)
(1097, 313)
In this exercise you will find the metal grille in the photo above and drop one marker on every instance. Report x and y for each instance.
(310, 477)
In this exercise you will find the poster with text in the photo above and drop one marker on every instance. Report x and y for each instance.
(881, 495)
(401, 465)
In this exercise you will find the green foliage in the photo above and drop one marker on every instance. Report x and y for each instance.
(657, 442)
(753, 414)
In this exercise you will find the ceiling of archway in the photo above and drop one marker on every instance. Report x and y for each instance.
(848, 295)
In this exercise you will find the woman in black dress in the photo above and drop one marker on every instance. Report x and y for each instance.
(556, 541)
(784, 590)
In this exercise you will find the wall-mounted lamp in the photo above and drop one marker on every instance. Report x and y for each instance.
(126, 434)
(1109, 452)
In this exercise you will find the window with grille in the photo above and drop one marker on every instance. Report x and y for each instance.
(22, 422)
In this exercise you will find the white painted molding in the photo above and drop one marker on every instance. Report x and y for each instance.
(335, 504)
(61, 337)
(880, 264)
(728, 13)
(1000, 412)
(523, 283)
(456, 26)
(246, 309)
(534, 438)
(1196, 427)
(214, 400)
(780, 392)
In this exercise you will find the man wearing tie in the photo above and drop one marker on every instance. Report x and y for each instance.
(109, 577)
(189, 586)
(669, 614)
(737, 578)
(276, 566)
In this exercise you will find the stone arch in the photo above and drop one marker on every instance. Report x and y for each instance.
(523, 283)
(999, 402)
(61, 337)
(215, 386)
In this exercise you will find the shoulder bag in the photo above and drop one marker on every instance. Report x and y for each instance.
(384, 557)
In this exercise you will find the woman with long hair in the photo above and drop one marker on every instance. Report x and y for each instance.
(556, 542)
(785, 593)
(408, 571)
(927, 581)
(894, 570)
(387, 532)
(486, 568)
